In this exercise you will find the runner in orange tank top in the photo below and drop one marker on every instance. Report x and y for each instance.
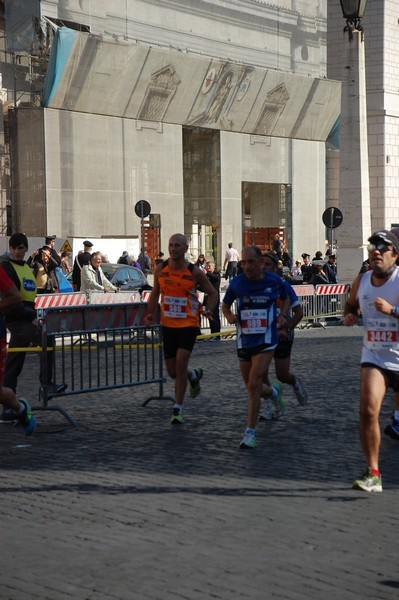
(176, 282)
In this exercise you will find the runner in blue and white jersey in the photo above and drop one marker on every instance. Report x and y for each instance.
(256, 293)
(282, 354)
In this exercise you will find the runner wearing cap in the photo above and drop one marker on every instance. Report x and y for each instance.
(376, 295)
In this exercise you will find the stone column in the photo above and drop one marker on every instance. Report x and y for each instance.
(354, 188)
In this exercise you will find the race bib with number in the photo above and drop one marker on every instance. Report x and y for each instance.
(253, 321)
(382, 333)
(175, 307)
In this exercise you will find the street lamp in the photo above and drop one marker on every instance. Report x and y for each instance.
(353, 11)
(354, 186)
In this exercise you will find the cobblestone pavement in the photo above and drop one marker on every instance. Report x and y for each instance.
(128, 507)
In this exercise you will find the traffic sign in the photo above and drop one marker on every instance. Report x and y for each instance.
(66, 247)
(142, 209)
(332, 217)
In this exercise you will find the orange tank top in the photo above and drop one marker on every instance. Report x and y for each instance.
(179, 300)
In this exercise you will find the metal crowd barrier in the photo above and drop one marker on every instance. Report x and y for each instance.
(318, 303)
(98, 347)
(321, 302)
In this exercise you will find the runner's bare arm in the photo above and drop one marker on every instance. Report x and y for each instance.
(205, 286)
(385, 307)
(351, 310)
(154, 298)
(231, 318)
(10, 298)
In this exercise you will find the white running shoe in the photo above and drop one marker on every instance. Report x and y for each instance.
(300, 392)
(248, 440)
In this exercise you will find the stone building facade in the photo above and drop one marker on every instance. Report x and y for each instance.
(216, 113)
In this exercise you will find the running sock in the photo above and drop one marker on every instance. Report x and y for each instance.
(249, 430)
(179, 406)
(274, 393)
(22, 407)
(375, 472)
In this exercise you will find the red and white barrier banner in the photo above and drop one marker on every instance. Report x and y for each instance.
(304, 290)
(333, 288)
(145, 296)
(60, 300)
(113, 298)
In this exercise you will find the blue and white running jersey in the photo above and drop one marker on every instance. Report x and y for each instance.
(256, 308)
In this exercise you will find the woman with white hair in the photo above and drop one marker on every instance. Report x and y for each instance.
(93, 277)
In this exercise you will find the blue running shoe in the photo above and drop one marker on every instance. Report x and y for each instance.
(278, 403)
(26, 419)
(195, 386)
(248, 440)
(393, 429)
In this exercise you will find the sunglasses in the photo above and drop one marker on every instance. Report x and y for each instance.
(381, 247)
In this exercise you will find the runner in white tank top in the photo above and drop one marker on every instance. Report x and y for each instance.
(375, 295)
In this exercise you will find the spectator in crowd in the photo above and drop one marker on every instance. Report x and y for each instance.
(65, 266)
(21, 320)
(277, 246)
(330, 268)
(318, 275)
(82, 259)
(286, 258)
(42, 272)
(214, 277)
(201, 262)
(134, 262)
(296, 269)
(160, 258)
(18, 409)
(318, 256)
(55, 258)
(124, 259)
(93, 277)
(231, 259)
(306, 268)
(145, 262)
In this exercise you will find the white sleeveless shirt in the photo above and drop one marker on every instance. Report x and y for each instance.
(381, 332)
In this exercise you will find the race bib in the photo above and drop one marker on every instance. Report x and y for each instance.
(253, 321)
(381, 334)
(175, 307)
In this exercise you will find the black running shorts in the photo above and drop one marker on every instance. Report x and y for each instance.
(178, 337)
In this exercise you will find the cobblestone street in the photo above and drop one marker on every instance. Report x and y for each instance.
(128, 507)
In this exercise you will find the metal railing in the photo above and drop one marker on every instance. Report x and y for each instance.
(99, 347)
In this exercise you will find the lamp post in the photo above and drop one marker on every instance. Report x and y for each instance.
(353, 11)
(354, 187)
